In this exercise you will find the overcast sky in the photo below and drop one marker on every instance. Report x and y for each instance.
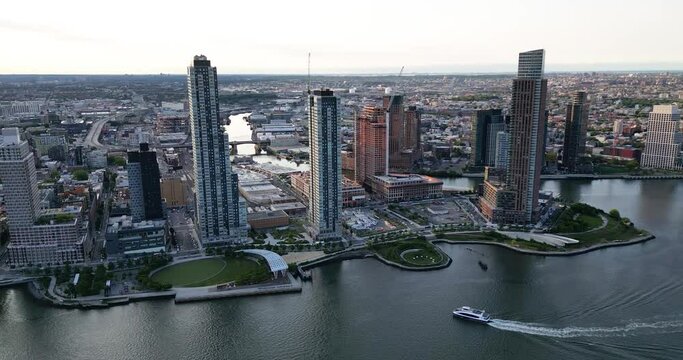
(349, 36)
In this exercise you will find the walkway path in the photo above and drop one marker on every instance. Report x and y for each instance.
(604, 223)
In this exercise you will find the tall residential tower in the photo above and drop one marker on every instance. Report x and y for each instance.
(371, 144)
(37, 236)
(220, 217)
(527, 131)
(325, 200)
(575, 131)
(663, 142)
(485, 127)
(511, 196)
(143, 179)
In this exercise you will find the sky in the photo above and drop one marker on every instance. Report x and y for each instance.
(350, 36)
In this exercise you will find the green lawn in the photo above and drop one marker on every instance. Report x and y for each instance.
(591, 222)
(427, 255)
(615, 230)
(207, 272)
(423, 257)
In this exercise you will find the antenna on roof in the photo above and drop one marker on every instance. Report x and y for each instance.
(309, 73)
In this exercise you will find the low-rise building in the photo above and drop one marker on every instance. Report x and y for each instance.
(124, 237)
(497, 200)
(396, 188)
(267, 219)
(291, 208)
(353, 194)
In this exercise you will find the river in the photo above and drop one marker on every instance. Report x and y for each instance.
(615, 303)
(239, 130)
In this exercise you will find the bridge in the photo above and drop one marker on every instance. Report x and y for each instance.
(259, 144)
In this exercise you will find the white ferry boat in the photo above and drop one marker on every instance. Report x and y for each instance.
(468, 313)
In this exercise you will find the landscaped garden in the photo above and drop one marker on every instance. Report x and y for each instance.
(577, 218)
(414, 253)
(217, 270)
(591, 226)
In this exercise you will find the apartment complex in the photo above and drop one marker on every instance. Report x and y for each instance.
(485, 127)
(325, 199)
(371, 144)
(663, 142)
(219, 208)
(575, 131)
(519, 187)
(143, 180)
(37, 236)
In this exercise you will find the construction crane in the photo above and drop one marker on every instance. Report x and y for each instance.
(387, 121)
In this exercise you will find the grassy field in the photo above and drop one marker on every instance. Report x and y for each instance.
(423, 257)
(207, 272)
(591, 221)
(427, 254)
(615, 230)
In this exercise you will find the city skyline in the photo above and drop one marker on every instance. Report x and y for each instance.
(52, 40)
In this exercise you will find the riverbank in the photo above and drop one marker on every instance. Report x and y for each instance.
(550, 253)
(591, 176)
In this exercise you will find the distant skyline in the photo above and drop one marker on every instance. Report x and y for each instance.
(354, 37)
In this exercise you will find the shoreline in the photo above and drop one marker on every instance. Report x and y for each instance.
(181, 295)
(637, 240)
(583, 177)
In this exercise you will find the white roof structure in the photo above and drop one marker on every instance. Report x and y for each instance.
(275, 261)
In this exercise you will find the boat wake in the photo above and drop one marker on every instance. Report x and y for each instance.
(630, 329)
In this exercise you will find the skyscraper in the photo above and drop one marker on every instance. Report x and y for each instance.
(36, 237)
(575, 130)
(325, 200)
(413, 133)
(527, 131)
(19, 181)
(393, 104)
(502, 150)
(219, 213)
(371, 144)
(143, 179)
(663, 142)
(485, 126)
(512, 196)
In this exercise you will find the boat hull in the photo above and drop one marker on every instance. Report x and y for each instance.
(482, 321)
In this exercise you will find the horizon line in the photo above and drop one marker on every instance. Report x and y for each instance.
(387, 74)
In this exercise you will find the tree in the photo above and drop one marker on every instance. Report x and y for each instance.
(116, 161)
(614, 213)
(80, 175)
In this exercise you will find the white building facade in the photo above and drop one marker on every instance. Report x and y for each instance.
(663, 142)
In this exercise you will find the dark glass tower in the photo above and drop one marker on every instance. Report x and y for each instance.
(575, 130)
(143, 178)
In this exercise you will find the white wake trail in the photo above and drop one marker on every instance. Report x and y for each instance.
(633, 328)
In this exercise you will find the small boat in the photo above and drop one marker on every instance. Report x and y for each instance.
(471, 314)
(483, 265)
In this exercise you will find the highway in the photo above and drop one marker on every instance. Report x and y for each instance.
(93, 137)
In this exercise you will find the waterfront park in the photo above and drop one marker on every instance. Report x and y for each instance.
(236, 268)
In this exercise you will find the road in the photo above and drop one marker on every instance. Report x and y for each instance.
(184, 230)
(93, 137)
